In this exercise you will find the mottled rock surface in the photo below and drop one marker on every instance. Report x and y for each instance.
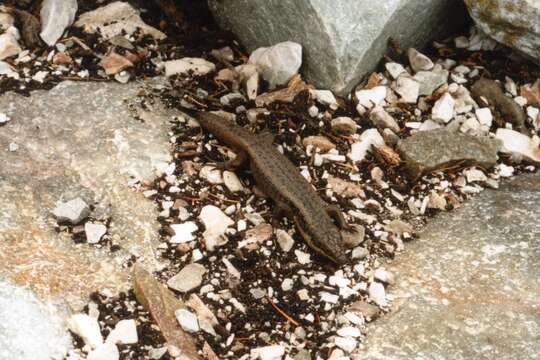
(342, 40)
(511, 22)
(114, 19)
(29, 328)
(468, 286)
(76, 140)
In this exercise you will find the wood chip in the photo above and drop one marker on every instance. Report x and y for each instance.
(295, 86)
(388, 155)
(208, 353)
(161, 303)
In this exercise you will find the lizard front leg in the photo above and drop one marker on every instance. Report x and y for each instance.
(335, 213)
(240, 160)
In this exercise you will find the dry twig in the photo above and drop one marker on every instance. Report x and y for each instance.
(283, 313)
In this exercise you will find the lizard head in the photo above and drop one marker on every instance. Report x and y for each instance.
(325, 239)
(333, 247)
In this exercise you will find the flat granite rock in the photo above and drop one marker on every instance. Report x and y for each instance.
(77, 140)
(342, 40)
(427, 151)
(468, 287)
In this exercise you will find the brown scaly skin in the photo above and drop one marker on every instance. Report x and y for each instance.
(279, 179)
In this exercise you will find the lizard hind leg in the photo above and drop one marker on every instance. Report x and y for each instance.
(279, 211)
(335, 213)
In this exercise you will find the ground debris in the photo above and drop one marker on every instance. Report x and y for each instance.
(254, 287)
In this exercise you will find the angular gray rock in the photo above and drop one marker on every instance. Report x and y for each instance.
(511, 22)
(383, 120)
(342, 40)
(94, 232)
(431, 80)
(77, 140)
(72, 211)
(431, 150)
(419, 61)
(468, 286)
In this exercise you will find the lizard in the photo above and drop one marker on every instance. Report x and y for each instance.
(277, 177)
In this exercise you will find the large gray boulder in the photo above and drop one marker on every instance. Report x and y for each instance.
(343, 40)
(468, 287)
(512, 22)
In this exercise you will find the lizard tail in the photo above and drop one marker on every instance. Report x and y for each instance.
(191, 112)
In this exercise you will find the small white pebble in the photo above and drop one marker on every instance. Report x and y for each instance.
(329, 298)
(303, 294)
(377, 293)
(302, 257)
(353, 318)
(346, 343)
(3, 118)
(183, 232)
(520, 100)
(287, 284)
(187, 320)
(13, 147)
(349, 331)
(124, 332)
(313, 111)
(484, 116)
(505, 171)
(87, 328)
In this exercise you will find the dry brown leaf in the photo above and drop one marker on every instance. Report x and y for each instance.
(373, 80)
(531, 93)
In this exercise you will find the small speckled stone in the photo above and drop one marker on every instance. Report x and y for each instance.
(189, 278)
(284, 240)
(360, 253)
(344, 125)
